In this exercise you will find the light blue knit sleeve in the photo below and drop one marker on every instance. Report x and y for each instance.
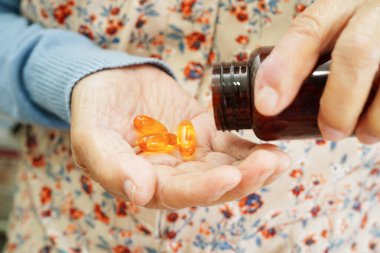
(39, 68)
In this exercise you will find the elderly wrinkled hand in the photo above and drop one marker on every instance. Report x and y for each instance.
(103, 137)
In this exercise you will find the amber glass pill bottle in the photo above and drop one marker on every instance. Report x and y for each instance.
(233, 100)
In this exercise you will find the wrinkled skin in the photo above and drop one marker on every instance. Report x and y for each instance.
(224, 168)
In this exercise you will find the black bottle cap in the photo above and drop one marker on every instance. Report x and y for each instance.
(231, 95)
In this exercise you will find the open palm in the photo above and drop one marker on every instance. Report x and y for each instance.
(225, 167)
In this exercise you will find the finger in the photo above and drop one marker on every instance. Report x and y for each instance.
(368, 129)
(265, 163)
(355, 61)
(113, 164)
(195, 188)
(281, 74)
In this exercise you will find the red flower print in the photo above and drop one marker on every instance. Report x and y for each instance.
(296, 173)
(45, 195)
(375, 172)
(171, 234)
(46, 213)
(242, 39)
(300, 8)
(242, 56)
(233, 9)
(211, 58)
(297, 190)
(62, 12)
(52, 135)
(76, 214)
(115, 11)
(172, 217)
(250, 204)
(44, 14)
(121, 208)
(92, 18)
(204, 229)
(262, 6)
(309, 240)
(157, 56)
(320, 142)
(69, 165)
(100, 215)
(364, 221)
(242, 16)
(86, 31)
(39, 161)
(194, 40)
(267, 233)
(11, 247)
(193, 70)
(141, 21)
(31, 142)
(45, 249)
(187, 7)
(158, 40)
(86, 184)
(372, 245)
(204, 18)
(226, 211)
(315, 211)
(121, 249)
(144, 229)
(112, 28)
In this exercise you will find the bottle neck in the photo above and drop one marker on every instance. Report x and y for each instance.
(232, 98)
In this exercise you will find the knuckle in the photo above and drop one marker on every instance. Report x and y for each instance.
(337, 116)
(356, 52)
(308, 25)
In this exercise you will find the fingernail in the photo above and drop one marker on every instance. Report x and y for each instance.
(331, 133)
(368, 139)
(130, 189)
(267, 99)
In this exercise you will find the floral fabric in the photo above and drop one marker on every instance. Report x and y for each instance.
(328, 202)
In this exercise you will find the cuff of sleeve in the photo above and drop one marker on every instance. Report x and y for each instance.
(57, 70)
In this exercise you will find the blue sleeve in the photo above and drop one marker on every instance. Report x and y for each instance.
(39, 68)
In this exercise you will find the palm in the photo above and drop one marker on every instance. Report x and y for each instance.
(209, 177)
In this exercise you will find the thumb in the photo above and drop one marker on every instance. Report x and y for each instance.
(112, 162)
(280, 76)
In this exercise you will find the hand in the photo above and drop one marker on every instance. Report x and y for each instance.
(350, 28)
(104, 106)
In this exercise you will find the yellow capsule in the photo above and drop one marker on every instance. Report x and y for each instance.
(160, 142)
(186, 138)
(146, 125)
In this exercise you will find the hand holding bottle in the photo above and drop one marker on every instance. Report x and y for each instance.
(225, 167)
(350, 30)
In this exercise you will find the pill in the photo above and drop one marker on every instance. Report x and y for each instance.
(186, 138)
(146, 125)
(160, 142)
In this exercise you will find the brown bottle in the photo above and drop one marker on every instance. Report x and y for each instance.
(233, 103)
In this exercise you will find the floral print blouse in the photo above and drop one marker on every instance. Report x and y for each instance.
(328, 202)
